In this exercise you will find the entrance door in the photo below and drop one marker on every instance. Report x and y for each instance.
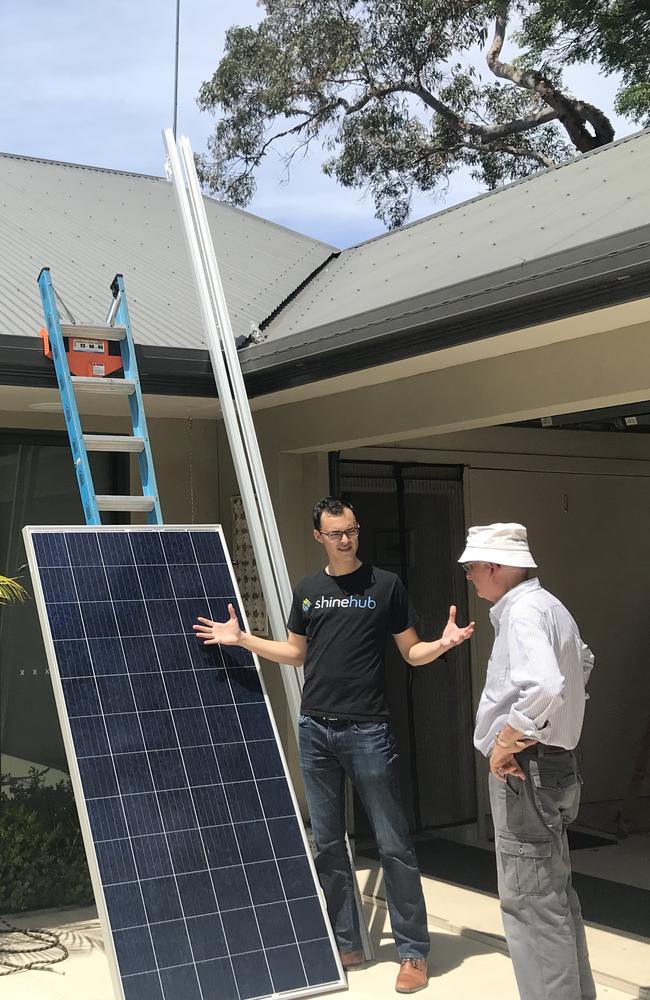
(412, 523)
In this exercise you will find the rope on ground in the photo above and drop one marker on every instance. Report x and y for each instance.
(47, 940)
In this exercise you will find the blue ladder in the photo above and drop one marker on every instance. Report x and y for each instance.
(118, 328)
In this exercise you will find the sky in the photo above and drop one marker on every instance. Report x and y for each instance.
(91, 81)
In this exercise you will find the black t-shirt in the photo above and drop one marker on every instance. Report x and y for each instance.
(347, 620)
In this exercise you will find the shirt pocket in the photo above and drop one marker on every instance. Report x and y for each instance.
(525, 864)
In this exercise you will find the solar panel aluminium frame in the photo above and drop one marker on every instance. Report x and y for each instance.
(29, 532)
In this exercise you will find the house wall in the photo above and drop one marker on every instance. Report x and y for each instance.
(602, 369)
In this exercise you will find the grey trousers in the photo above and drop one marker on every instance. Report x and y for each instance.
(541, 912)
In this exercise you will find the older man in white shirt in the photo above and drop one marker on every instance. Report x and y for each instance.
(528, 723)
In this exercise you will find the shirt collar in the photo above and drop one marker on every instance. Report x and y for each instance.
(498, 610)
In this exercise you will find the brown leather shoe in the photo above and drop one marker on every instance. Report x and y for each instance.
(412, 976)
(349, 958)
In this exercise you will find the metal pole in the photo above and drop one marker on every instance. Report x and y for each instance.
(178, 26)
(237, 381)
(238, 451)
(241, 432)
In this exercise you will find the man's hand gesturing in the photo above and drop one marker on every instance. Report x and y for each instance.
(225, 633)
(453, 634)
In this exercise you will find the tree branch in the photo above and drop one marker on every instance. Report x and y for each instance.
(517, 151)
(571, 113)
(370, 95)
(515, 127)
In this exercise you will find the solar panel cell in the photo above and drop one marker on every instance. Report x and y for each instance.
(252, 975)
(161, 899)
(182, 982)
(90, 584)
(73, 658)
(89, 735)
(125, 905)
(81, 696)
(143, 987)
(318, 960)
(116, 548)
(275, 925)
(98, 776)
(116, 694)
(134, 950)
(265, 759)
(286, 967)
(58, 585)
(123, 581)
(116, 862)
(217, 980)
(65, 621)
(172, 653)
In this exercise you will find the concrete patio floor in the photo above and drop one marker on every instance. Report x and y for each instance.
(468, 957)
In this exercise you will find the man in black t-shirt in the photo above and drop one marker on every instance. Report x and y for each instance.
(339, 622)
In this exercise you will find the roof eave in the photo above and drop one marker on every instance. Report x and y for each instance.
(570, 283)
(614, 271)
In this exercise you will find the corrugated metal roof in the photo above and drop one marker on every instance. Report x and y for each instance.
(87, 224)
(592, 197)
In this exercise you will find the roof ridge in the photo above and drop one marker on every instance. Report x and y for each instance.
(79, 166)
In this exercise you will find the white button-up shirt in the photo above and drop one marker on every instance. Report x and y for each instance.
(537, 673)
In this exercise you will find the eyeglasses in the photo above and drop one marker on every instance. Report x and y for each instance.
(336, 536)
(467, 567)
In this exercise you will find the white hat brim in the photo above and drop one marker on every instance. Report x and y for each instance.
(503, 557)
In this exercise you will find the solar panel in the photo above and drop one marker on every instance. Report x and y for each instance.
(203, 878)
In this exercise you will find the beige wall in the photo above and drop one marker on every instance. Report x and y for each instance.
(591, 538)
(604, 369)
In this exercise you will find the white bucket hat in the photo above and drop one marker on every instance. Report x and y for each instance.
(505, 544)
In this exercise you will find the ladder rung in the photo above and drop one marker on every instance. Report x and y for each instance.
(113, 442)
(93, 332)
(125, 503)
(125, 386)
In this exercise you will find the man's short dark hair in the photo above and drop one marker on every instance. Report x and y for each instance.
(330, 505)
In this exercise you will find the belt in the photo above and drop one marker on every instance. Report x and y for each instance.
(544, 748)
(338, 718)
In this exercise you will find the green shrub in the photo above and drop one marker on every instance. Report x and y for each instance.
(42, 858)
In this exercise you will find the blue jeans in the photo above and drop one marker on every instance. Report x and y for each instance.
(364, 752)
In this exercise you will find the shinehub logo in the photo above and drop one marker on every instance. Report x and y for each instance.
(345, 602)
